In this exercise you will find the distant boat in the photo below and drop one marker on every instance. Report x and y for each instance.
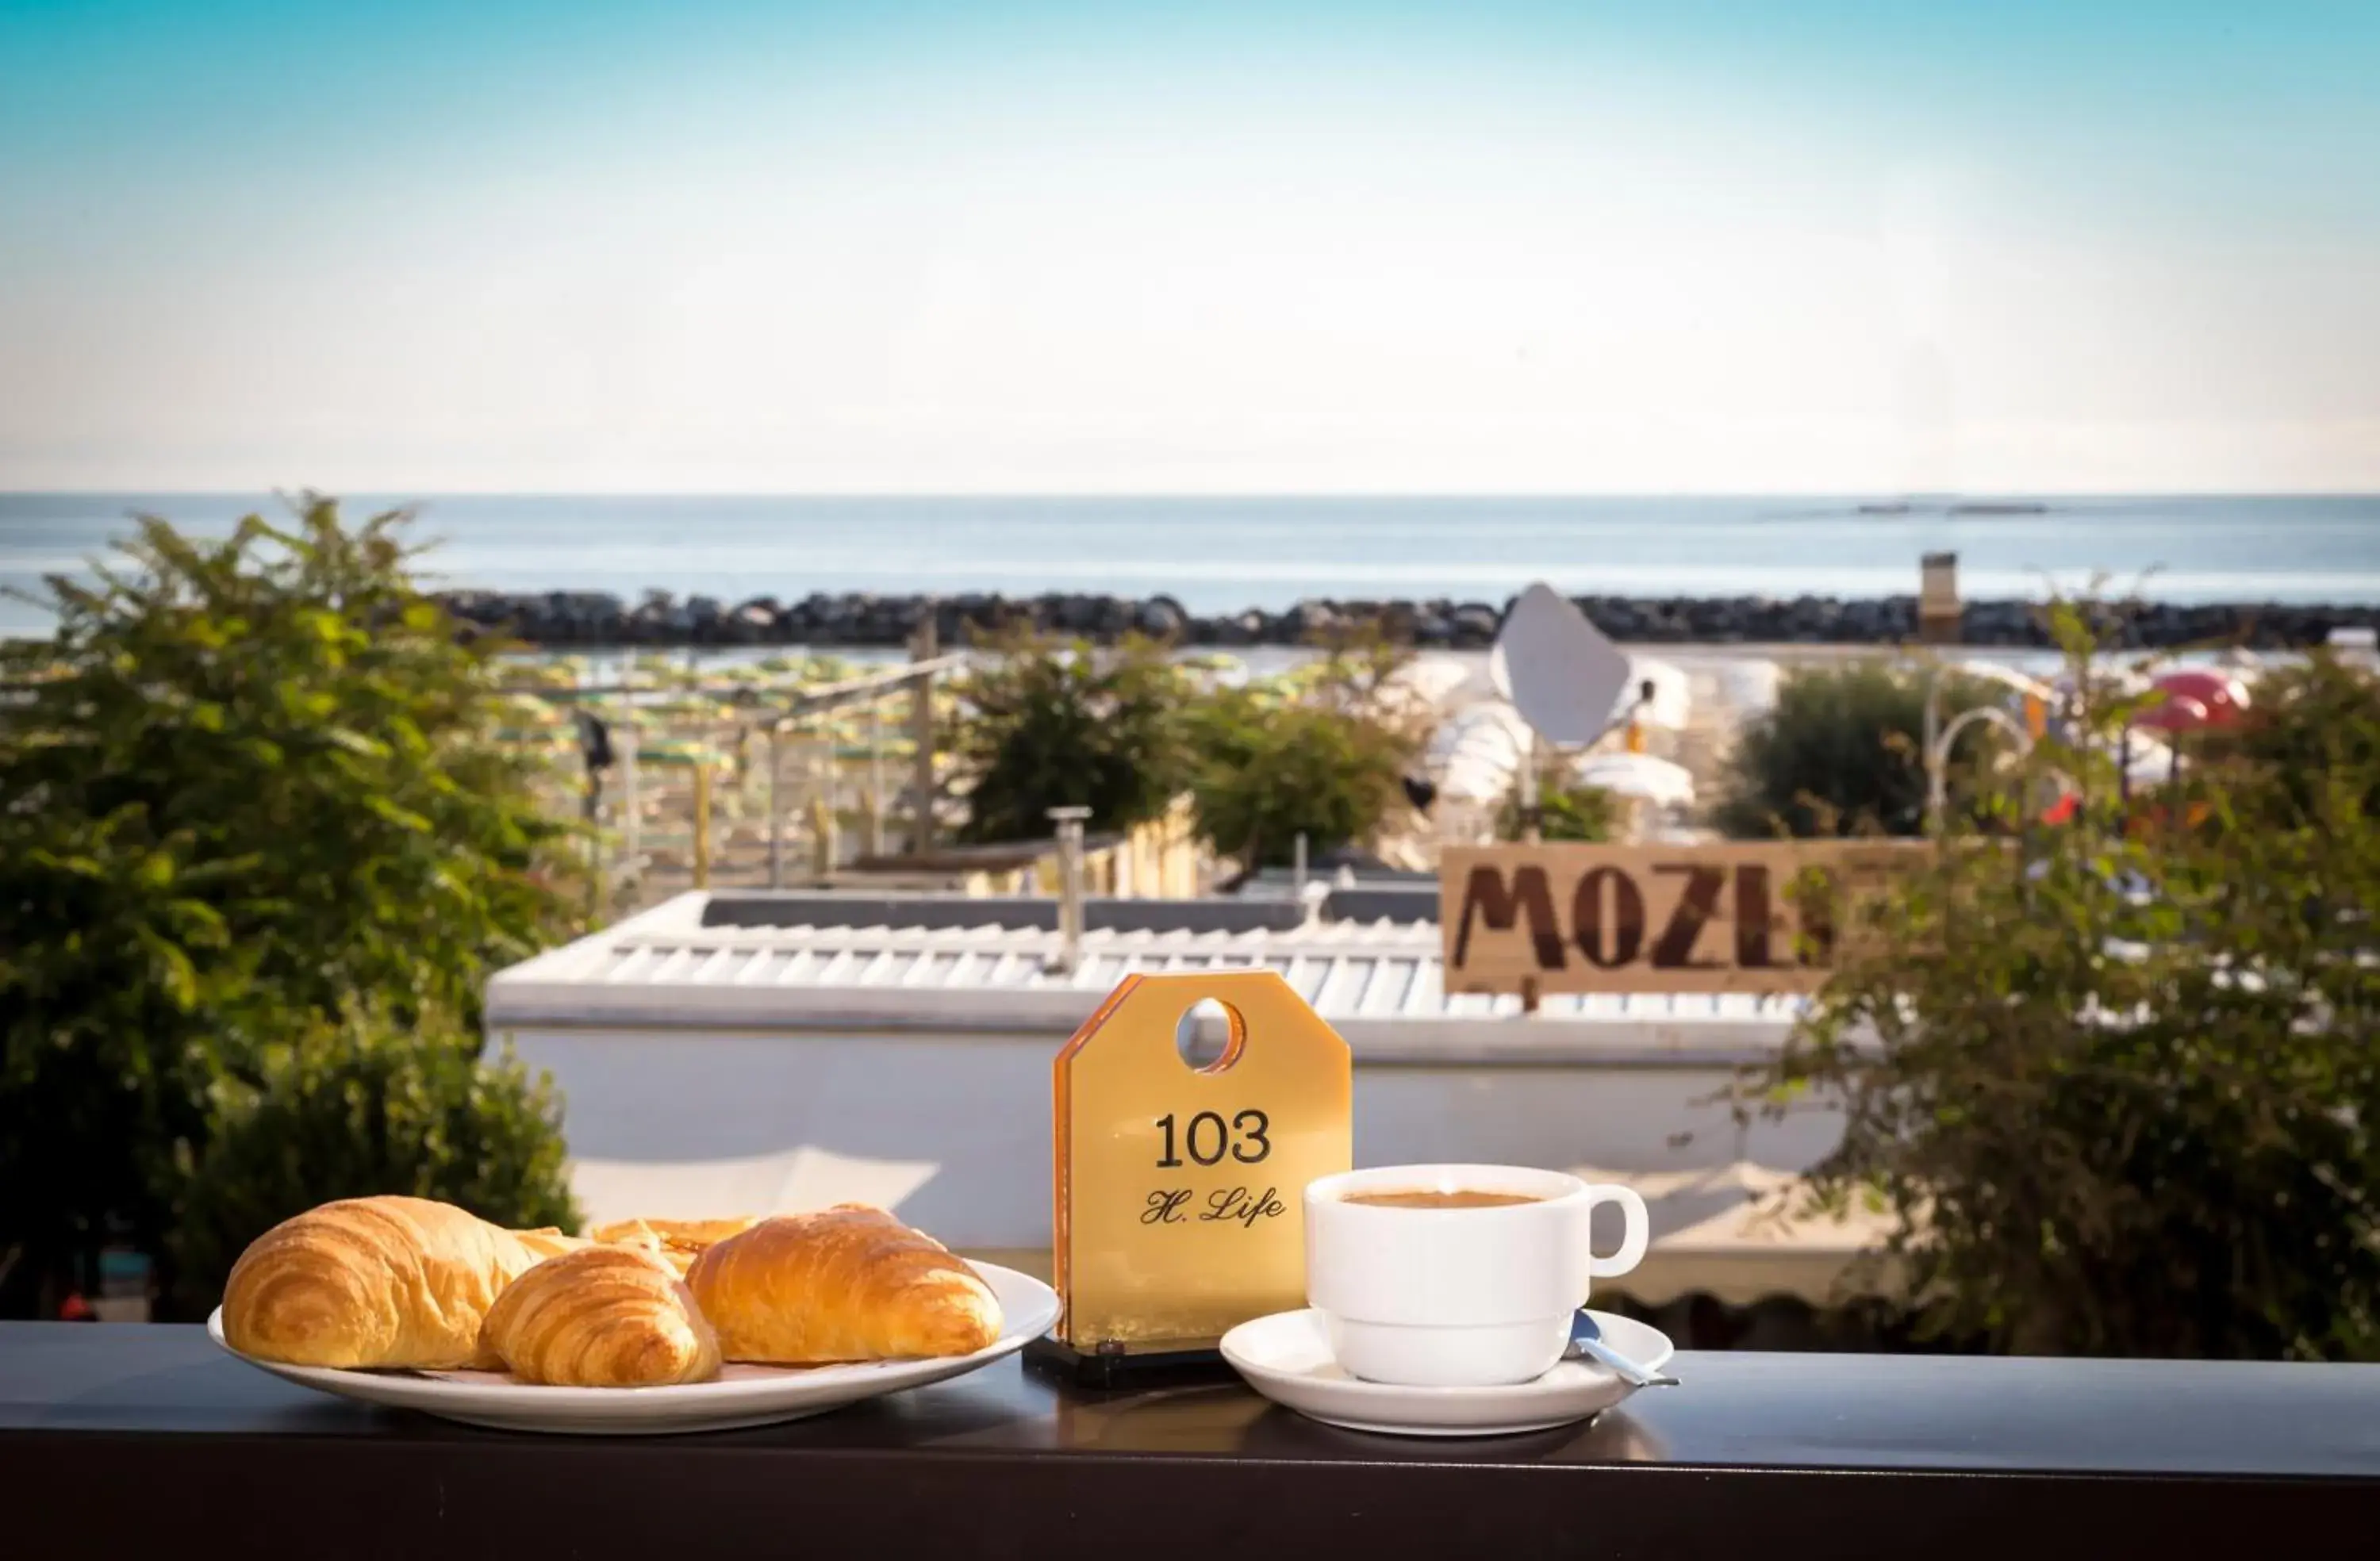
(1978, 507)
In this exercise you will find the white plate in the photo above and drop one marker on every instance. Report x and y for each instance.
(1286, 1357)
(742, 1395)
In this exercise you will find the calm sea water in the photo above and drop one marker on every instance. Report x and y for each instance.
(1215, 554)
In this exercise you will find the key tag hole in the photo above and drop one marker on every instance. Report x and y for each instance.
(1210, 1036)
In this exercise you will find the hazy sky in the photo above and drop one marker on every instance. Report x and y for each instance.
(1274, 246)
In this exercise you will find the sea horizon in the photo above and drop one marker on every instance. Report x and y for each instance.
(1401, 495)
(1227, 553)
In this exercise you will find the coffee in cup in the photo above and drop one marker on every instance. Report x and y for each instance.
(1457, 1275)
(1456, 1198)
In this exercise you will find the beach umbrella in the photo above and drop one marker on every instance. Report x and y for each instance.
(1750, 686)
(2028, 698)
(2144, 764)
(1475, 755)
(2195, 697)
(2174, 713)
(1656, 780)
(1657, 695)
(2007, 677)
(1422, 687)
(2147, 761)
(1435, 679)
(2106, 684)
(1221, 670)
(2177, 712)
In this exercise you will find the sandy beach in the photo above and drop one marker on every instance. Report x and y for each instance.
(1707, 695)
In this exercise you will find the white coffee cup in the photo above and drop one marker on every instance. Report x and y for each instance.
(1457, 1297)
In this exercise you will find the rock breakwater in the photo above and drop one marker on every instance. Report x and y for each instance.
(595, 619)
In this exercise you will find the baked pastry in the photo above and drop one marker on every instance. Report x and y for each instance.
(602, 1316)
(368, 1283)
(548, 1240)
(679, 1242)
(849, 1283)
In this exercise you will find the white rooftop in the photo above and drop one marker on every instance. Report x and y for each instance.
(805, 962)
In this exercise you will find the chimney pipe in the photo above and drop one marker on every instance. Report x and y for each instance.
(1070, 887)
(1939, 620)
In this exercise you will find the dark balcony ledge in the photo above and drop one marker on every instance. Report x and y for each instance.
(115, 1440)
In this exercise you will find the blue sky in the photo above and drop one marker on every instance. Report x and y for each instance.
(1290, 246)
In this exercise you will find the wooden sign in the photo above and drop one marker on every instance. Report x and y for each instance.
(1761, 917)
(1180, 1191)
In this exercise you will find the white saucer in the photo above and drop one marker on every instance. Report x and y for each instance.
(1286, 1357)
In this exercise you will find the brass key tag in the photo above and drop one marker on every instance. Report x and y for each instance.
(1180, 1191)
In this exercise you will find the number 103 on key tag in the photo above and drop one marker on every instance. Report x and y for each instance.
(1179, 1189)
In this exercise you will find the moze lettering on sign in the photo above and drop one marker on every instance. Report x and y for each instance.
(1764, 917)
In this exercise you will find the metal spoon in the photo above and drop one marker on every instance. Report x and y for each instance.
(1586, 1339)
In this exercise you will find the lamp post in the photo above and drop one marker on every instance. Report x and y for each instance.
(1937, 752)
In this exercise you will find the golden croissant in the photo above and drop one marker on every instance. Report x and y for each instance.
(602, 1316)
(547, 1241)
(368, 1283)
(678, 1242)
(850, 1283)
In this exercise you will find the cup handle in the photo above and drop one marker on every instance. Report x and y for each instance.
(1631, 1244)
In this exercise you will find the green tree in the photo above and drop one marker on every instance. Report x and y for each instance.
(1322, 751)
(247, 777)
(1048, 723)
(1564, 813)
(1840, 754)
(2116, 1081)
(365, 1105)
(2307, 723)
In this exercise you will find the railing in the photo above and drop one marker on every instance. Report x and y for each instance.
(1781, 1456)
(782, 717)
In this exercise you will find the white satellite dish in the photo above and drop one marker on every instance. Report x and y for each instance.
(1559, 670)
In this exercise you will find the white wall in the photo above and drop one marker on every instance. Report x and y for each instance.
(978, 1106)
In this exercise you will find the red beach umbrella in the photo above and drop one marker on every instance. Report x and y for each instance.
(2220, 698)
(2191, 700)
(2177, 712)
